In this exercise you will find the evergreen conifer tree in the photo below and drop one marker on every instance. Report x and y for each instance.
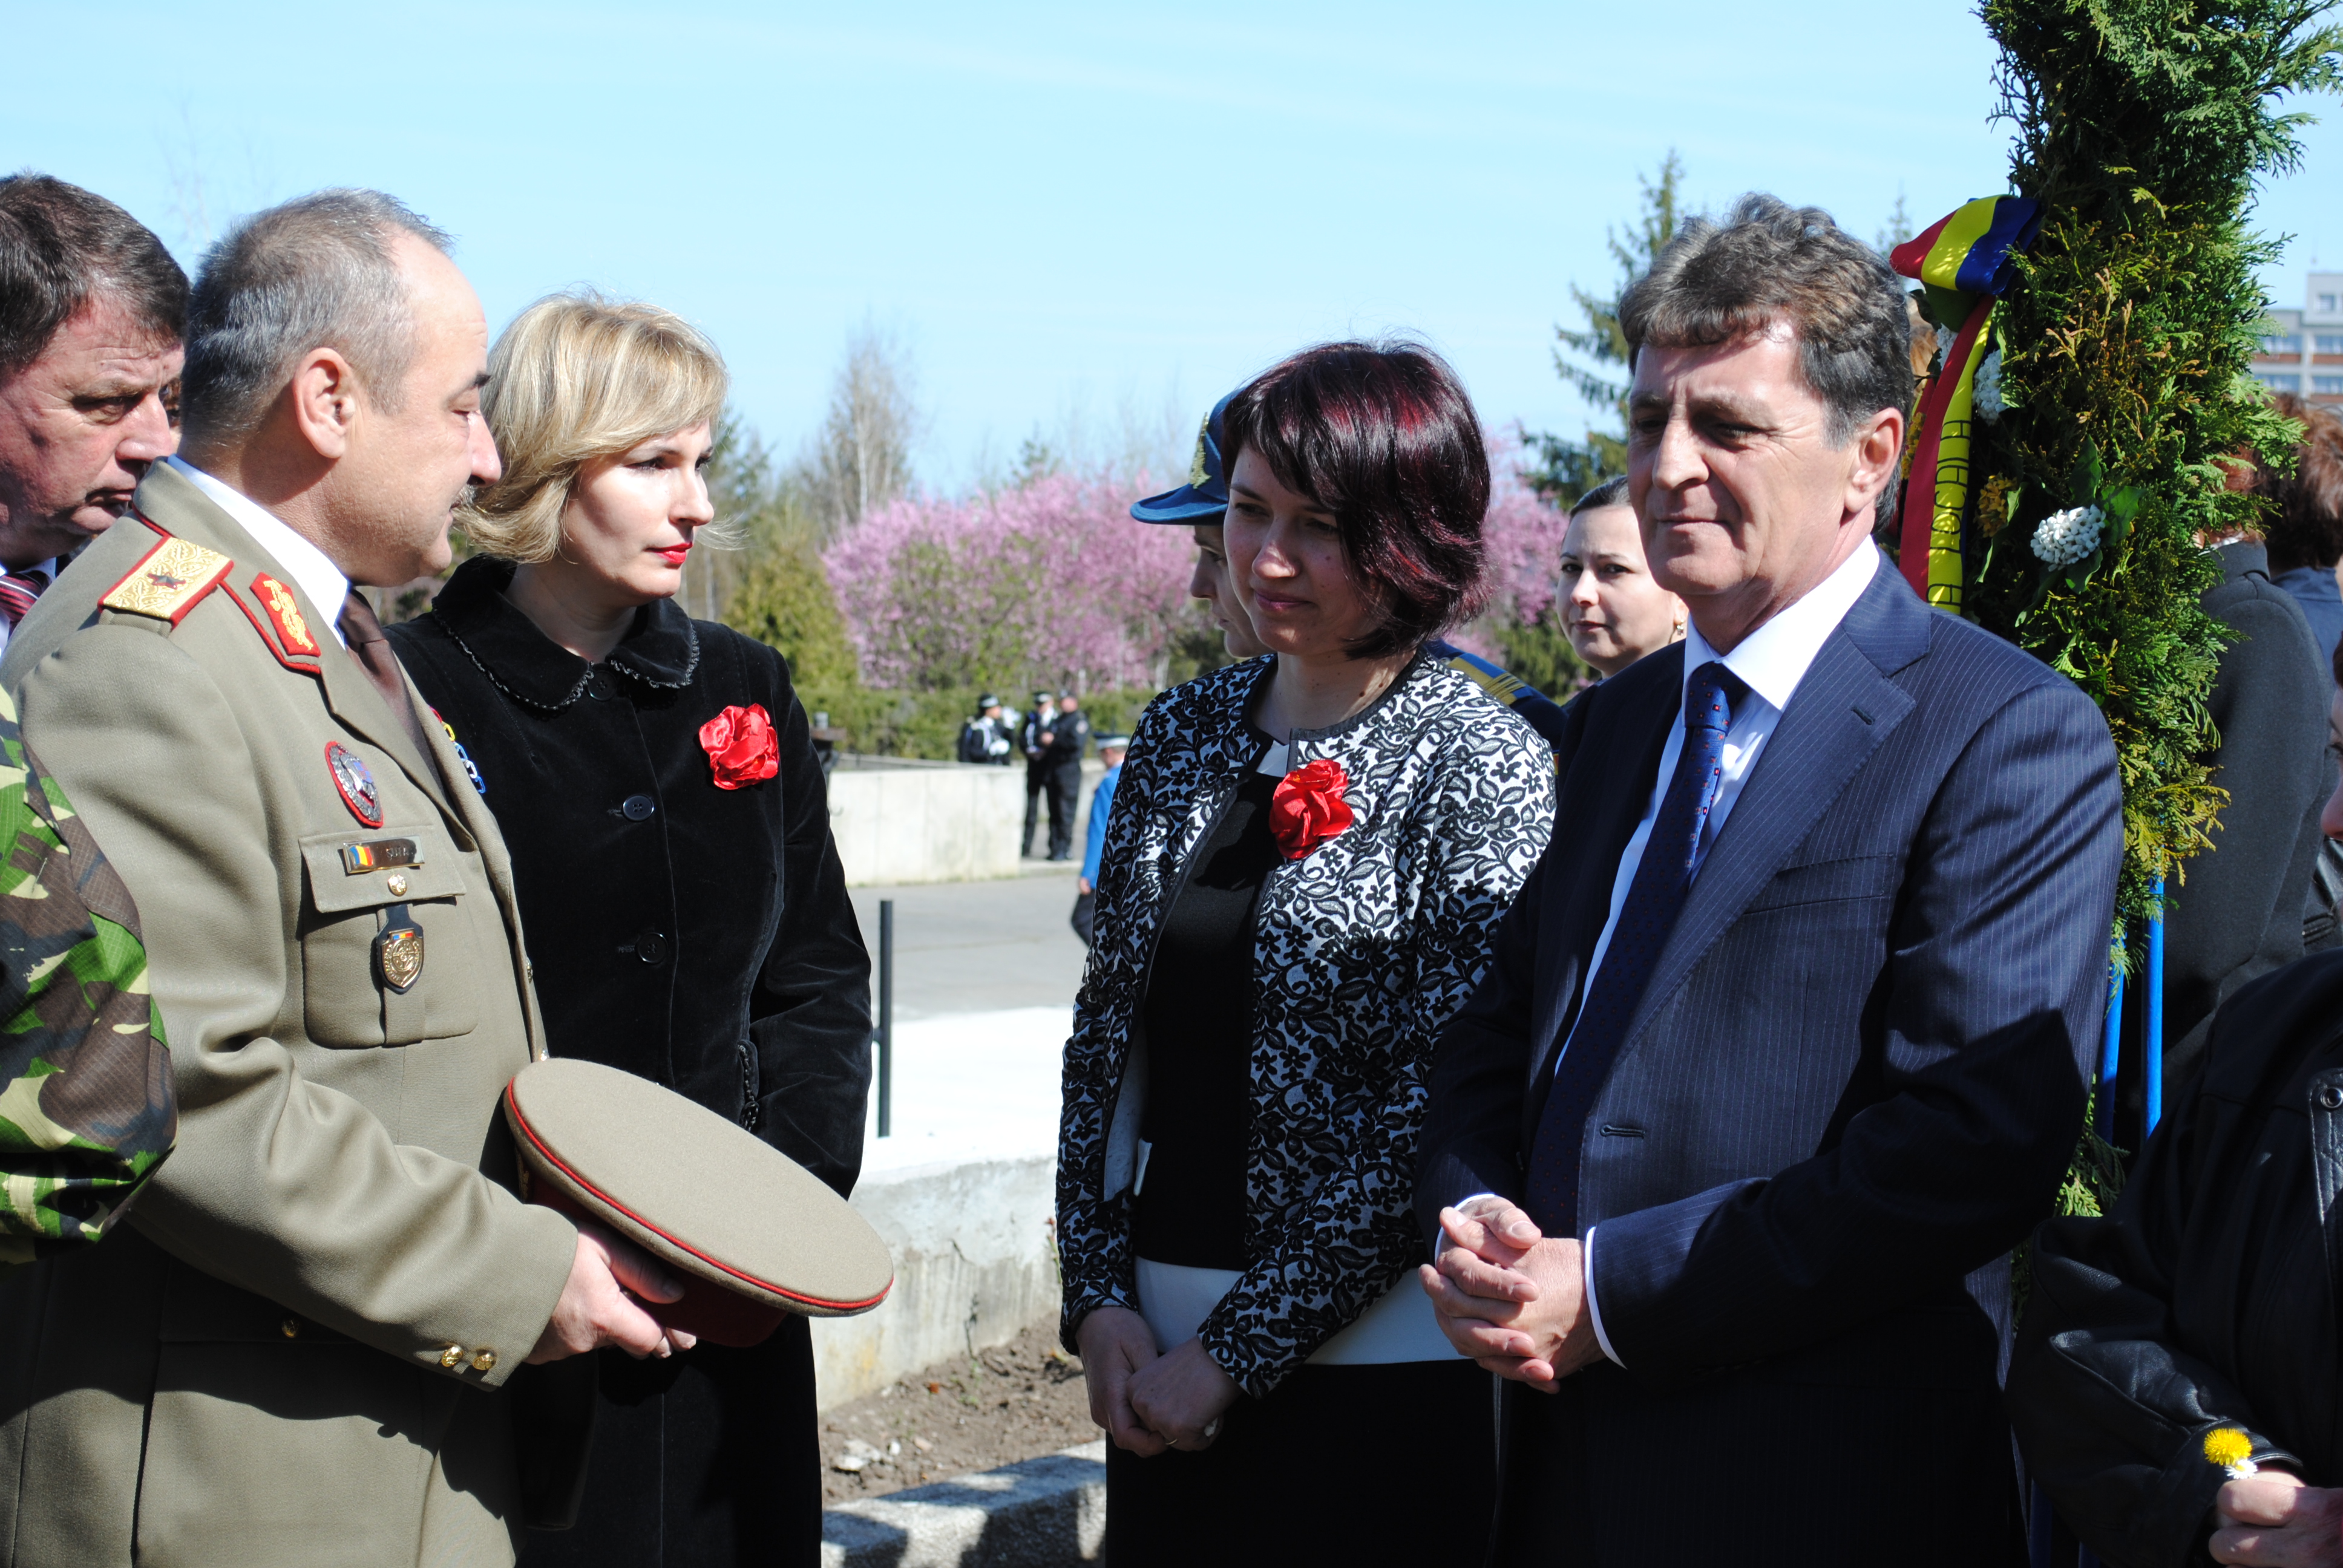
(2142, 126)
(1564, 469)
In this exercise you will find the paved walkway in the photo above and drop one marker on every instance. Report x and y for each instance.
(985, 976)
(979, 947)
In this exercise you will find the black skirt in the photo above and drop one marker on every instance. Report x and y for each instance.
(711, 1458)
(1394, 1463)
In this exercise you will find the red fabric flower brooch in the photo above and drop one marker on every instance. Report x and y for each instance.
(741, 747)
(1307, 807)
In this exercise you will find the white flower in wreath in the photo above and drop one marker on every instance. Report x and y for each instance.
(1945, 346)
(2065, 538)
(1985, 395)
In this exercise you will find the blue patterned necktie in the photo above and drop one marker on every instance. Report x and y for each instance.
(1663, 878)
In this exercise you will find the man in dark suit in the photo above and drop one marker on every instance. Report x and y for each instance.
(1781, 1049)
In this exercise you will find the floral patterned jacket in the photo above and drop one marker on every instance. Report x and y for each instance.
(1364, 947)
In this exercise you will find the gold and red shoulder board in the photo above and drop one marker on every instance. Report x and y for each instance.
(285, 614)
(168, 581)
(269, 604)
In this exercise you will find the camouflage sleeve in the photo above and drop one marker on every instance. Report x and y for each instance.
(87, 1112)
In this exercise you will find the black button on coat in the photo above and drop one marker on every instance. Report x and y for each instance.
(698, 936)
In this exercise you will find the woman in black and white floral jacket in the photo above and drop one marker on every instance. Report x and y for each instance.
(1307, 856)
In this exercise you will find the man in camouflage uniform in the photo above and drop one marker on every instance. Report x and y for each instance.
(85, 1106)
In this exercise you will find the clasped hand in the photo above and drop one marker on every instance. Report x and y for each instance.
(1148, 1402)
(1510, 1298)
(609, 1277)
(2275, 1521)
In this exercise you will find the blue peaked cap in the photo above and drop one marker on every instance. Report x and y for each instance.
(1205, 496)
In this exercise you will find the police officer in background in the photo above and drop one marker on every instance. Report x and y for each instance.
(985, 739)
(1033, 732)
(1061, 772)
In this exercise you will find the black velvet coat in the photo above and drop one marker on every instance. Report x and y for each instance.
(702, 938)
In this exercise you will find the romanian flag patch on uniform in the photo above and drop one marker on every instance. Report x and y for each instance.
(168, 581)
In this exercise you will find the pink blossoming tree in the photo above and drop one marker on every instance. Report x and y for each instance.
(1053, 583)
(1050, 582)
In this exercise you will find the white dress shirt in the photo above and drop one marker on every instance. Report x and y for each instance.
(1771, 662)
(51, 567)
(311, 570)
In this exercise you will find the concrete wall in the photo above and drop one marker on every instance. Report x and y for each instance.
(975, 1262)
(899, 821)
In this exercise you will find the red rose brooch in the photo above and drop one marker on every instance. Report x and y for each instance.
(1307, 807)
(741, 747)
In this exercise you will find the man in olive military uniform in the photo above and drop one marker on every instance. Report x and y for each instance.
(295, 1351)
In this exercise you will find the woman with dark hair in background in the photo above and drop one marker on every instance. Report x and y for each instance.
(1306, 860)
(1614, 612)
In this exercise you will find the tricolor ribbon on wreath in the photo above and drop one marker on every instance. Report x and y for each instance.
(1964, 261)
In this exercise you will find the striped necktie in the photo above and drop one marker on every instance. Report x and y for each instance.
(1654, 898)
(18, 592)
(362, 632)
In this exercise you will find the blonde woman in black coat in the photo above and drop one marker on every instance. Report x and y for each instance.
(686, 914)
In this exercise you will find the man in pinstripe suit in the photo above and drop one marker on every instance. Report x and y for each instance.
(1783, 1049)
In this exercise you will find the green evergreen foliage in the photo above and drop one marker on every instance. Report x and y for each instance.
(1563, 469)
(784, 601)
(1540, 653)
(2142, 126)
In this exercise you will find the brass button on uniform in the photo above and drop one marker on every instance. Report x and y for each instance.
(452, 1357)
(397, 884)
(484, 1360)
(292, 1328)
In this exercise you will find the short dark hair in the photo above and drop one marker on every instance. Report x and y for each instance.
(1612, 492)
(1383, 437)
(2307, 529)
(1767, 264)
(61, 246)
(316, 272)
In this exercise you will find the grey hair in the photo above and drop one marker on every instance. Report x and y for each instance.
(1770, 264)
(317, 272)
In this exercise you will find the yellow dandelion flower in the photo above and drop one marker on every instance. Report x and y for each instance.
(2231, 1448)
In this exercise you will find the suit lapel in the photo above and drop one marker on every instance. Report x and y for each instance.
(1611, 780)
(1836, 718)
(356, 703)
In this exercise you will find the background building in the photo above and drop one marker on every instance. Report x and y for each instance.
(2302, 350)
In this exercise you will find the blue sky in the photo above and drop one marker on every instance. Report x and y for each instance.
(1057, 210)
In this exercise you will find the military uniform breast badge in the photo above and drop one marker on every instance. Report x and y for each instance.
(356, 782)
(382, 854)
(398, 951)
